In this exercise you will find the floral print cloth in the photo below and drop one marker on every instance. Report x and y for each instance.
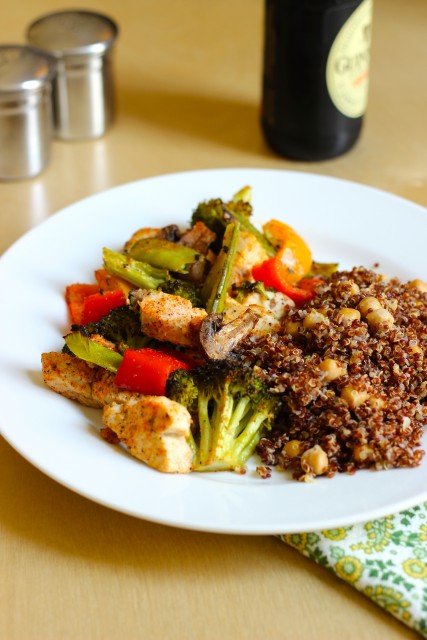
(386, 559)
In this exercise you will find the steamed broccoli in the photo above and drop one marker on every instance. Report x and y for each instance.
(230, 407)
(121, 325)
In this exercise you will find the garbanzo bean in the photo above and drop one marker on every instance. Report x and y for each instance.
(380, 319)
(362, 452)
(332, 369)
(315, 461)
(346, 315)
(292, 327)
(293, 448)
(420, 285)
(313, 319)
(353, 397)
(368, 304)
(376, 403)
(348, 288)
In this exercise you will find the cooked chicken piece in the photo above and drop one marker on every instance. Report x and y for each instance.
(105, 391)
(273, 301)
(170, 318)
(155, 430)
(249, 253)
(267, 321)
(199, 238)
(76, 380)
(70, 377)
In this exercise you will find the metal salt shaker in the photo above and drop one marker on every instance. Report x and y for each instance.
(83, 91)
(25, 111)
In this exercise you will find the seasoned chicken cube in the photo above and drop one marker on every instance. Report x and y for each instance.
(170, 318)
(155, 430)
(76, 380)
(267, 322)
(273, 301)
(70, 377)
(105, 391)
(249, 253)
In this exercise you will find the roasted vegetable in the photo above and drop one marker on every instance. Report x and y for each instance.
(121, 326)
(140, 274)
(233, 409)
(216, 215)
(216, 285)
(164, 254)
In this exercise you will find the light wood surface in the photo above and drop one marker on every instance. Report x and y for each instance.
(188, 76)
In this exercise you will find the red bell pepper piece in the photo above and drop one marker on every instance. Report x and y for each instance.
(99, 304)
(273, 273)
(75, 295)
(146, 371)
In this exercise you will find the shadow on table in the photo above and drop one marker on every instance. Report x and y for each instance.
(225, 121)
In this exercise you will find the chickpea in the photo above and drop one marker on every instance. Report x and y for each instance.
(348, 288)
(292, 327)
(420, 285)
(380, 319)
(362, 452)
(353, 397)
(313, 319)
(346, 315)
(293, 448)
(377, 403)
(315, 461)
(332, 369)
(323, 311)
(368, 304)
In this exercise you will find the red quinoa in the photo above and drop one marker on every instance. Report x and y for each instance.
(373, 414)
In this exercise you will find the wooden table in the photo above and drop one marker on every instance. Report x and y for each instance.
(188, 76)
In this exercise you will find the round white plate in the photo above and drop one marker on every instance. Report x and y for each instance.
(342, 221)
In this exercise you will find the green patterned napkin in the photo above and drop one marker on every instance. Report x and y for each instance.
(386, 559)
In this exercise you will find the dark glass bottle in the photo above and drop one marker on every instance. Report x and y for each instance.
(315, 80)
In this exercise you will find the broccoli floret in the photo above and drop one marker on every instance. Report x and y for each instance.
(187, 290)
(231, 407)
(121, 325)
(240, 207)
(182, 388)
(216, 215)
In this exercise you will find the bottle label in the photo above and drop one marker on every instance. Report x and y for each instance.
(347, 68)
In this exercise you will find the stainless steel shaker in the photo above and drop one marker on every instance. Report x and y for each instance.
(83, 91)
(25, 111)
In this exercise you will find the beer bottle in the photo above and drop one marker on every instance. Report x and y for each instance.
(315, 79)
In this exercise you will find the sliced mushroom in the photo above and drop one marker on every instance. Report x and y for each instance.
(218, 339)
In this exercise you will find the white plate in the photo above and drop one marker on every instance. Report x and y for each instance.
(342, 221)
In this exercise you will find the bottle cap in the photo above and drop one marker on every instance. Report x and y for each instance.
(25, 111)
(82, 43)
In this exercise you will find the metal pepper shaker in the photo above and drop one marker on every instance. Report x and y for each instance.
(25, 111)
(83, 92)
